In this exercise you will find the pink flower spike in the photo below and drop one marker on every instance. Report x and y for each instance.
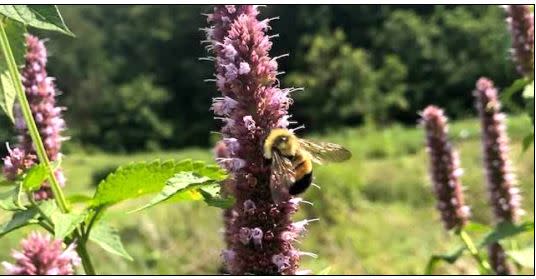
(42, 255)
(252, 104)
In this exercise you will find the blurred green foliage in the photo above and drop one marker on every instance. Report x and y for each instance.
(341, 85)
(358, 63)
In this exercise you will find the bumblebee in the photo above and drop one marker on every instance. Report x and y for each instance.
(292, 161)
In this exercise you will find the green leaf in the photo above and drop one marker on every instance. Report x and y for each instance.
(528, 92)
(506, 230)
(79, 198)
(507, 93)
(15, 34)
(476, 227)
(524, 257)
(216, 200)
(527, 141)
(143, 178)
(34, 178)
(108, 239)
(46, 17)
(8, 198)
(448, 257)
(65, 223)
(48, 207)
(17, 198)
(183, 186)
(19, 220)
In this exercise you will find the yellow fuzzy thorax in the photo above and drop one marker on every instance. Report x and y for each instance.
(273, 141)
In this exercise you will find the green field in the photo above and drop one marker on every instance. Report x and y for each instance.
(376, 211)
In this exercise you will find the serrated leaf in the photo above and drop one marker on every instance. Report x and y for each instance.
(524, 257)
(65, 223)
(46, 17)
(108, 239)
(19, 220)
(15, 34)
(506, 230)
(143, 178)
(216, 200)
(528, 91)
(34, 177)
(183, 185)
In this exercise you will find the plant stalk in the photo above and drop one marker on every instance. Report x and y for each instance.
(86, 260)
(470, 245)
(30, 122)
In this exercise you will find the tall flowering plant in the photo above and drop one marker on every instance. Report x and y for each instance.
(41, 94)
(32, 173)
(505, 197)
(520, 22)
(445, 174)
(500, 178)
(259, 233)
(445, 170)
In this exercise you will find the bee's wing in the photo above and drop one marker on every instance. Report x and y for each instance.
(322, 152)
(282, 177)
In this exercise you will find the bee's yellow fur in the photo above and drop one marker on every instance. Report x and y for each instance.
(286, 148)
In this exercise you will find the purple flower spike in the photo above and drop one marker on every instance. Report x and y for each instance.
(41, 95)
(259, 233)
(520, 22)
(41, 255)
(444, 170)
(501, 181)
(497, 259)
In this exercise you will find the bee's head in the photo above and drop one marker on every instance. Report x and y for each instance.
(281, 140)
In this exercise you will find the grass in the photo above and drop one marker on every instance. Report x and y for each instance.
(376, 211)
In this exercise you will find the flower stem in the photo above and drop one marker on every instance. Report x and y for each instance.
(86, 260)
(484, 266)
(30, 122)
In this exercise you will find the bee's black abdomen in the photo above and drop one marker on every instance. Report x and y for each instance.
(301, 185)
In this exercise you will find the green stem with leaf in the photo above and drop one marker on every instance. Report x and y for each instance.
(29, 120)
(483, 265)
(39, 146)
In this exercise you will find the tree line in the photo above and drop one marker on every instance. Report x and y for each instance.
(132, 79)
